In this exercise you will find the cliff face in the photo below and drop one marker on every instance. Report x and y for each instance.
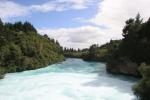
(123, 66)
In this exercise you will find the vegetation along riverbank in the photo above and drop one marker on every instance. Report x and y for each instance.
(22, 48)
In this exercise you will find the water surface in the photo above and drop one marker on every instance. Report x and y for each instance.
(73, 79)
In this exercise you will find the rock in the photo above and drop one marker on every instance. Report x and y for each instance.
(123, 66)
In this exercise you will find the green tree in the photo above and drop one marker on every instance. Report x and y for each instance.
(1, 25)
(142, 88)
(132, 45)
(22, 48)
(27, 27)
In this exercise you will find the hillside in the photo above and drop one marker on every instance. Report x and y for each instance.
(22, 48)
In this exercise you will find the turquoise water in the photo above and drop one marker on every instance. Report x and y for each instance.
(73, 79)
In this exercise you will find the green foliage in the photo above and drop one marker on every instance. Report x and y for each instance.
(71, 53)
(95, 52)
(20, 27)
(27, 27)
(136, 37)
(142, 88)
(1, 24)
(22, 48)
(102, 53)
(2, 72)
(135, 45)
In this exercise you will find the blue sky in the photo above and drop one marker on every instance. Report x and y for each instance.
(55, 19)
(75, 23)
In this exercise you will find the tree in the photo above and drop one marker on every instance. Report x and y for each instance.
(93, 50)
(142, 88)
(131, 46)
(1, 25)
(27, 27)
(18, 26)
(57, 42)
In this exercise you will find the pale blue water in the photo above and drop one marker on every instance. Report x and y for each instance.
(73, 79)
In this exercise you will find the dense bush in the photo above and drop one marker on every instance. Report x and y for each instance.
(22, 48)
(142, 89)
(72, 53)
(136, 42)
(102, 53)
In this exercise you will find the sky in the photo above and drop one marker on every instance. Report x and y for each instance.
(75, 23)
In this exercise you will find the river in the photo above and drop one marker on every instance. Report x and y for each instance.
(73, 79)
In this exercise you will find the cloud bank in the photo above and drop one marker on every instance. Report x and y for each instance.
(114, 13)
(80, 37)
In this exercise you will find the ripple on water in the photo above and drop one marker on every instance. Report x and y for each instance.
(73, 79)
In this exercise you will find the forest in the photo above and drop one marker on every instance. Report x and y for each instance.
(22, 48)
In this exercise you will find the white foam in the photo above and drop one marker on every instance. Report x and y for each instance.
(61, 86)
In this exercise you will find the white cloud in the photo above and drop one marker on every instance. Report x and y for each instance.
(113, 13)
(8, 8)
(12, 9)
(80, 37)
(60, 5)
